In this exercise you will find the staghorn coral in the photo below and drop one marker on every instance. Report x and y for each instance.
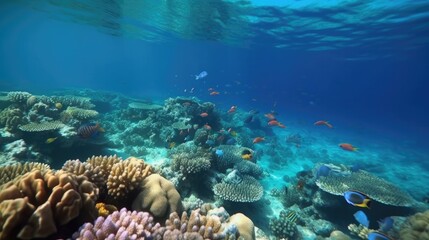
(121, 224)
(126, 176)
(18, 97)
(188, 158)
(282, 227)
(8, 173)
(416, 227)
(41, 127)
(247, 190)
(80, 113)
(158, 196)
(50, 200)
(376, 188)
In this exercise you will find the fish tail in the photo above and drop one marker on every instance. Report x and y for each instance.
(367, 203)
(98, 127)
(355, 149)
(329, 125)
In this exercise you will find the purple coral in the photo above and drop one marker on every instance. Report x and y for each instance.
(121, 224)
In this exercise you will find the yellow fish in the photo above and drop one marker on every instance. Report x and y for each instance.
(247, 156)
(171, 145)
(50, 140)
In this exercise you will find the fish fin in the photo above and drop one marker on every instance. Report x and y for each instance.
(355, 149)
(367, 203)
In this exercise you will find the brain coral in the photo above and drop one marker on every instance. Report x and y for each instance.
(41, 127)
(126, 176)
(416, 227)
(158, 196)
(43, 201)
(376, 188)
(10, 172)
(247, 190)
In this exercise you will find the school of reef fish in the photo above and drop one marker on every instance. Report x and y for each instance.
(208, 187)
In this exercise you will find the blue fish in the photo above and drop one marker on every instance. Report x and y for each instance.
(377, 236)
(323, 171)
(219, 152)
(231, 141)
(357, 199)
(361, 218)
(202, 74)
(89, 130)
(386, 224)
(210, 142)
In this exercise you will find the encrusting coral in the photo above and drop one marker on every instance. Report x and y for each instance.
(126, 176)
(158, 196)
(416, 227)
(44, 201)
(376, 188)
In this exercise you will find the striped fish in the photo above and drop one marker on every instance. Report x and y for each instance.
(291, 216)
(89, 130)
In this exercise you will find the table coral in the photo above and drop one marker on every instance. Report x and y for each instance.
(41, 127)
(54, 199)
(247, 190)
(374, 187)
(158, 196)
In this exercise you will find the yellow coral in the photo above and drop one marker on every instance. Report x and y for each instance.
(126, 176)
(105, 209)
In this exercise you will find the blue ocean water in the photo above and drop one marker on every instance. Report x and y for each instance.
(363, 66)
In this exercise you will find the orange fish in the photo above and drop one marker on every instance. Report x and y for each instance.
(204, 114)
(232, 109)
(214, 93)
(258, 140)
(207, 127)
(320, 123)
(270, 116)
(275, 123)
(348, 147)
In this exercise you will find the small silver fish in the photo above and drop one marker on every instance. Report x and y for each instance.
(202, 74)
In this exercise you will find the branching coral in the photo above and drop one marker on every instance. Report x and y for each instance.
(283, 227)
(126, 176)
(44, 202)
(105, 164)
(376, 188)
(158, 196)
(41, 127)
(232, 155)
(416, 227)
(121, 224)
(10, 118)
(8, 173)
(247, 190)
(68, 100)
(85, 169)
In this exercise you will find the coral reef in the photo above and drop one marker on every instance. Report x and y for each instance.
(81, 114)
(416, 227)
(44, 201)
(282, 227)
(248, 189)
(188, 158)
(126, 176)
(158, 196)
(121, 224)
(10, 118)
(92, 172)
(376, 188)
(18, 97)
(8, 173)
(69, 100)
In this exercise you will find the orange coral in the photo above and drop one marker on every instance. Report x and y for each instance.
(105, 209)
